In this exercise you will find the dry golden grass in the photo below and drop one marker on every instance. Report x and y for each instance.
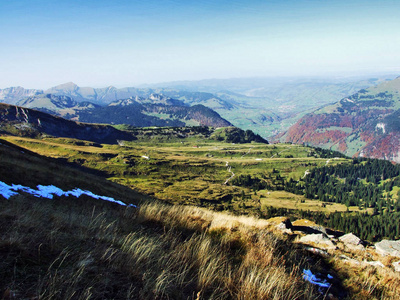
(367, 282)
(83, 249)
(87, 249)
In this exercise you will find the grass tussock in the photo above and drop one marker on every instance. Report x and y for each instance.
(365, 281)
(82, 249)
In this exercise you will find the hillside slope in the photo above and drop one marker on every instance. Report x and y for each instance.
(364, 124)
(17, 120)
(80, 247)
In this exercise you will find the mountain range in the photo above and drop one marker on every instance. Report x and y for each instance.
(267, 106)
(363, 124)
(154, 110)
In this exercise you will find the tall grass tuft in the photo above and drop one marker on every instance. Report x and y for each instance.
(74, 249)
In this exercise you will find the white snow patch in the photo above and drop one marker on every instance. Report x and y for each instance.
(381, 126)
(5, 190)
(49, 191)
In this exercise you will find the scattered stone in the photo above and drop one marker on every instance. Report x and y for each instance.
(285, 226)
(375, 263)
(349, 260)
(396, 266)
(350, 238)
(319, 228)
(318, 238)
(387, 247)
(317, 251)
(352, 241)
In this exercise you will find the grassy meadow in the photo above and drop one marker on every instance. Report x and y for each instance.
(81, 248)
(196, 170)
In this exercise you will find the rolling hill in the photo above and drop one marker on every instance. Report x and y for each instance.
(364, 124)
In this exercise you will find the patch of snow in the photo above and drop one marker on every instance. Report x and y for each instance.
(310, 277)
(49, 191)
(5, 190)
(348, 100)
(381, 126)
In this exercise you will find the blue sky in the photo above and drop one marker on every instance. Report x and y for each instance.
(127, 43)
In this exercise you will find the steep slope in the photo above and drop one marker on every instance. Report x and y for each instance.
(28, 122)
(364, 124)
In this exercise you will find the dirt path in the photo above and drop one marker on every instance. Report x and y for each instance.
(247, 152)
(230, 171)
(280, 152)
(305, 173)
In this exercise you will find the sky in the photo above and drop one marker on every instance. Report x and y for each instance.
(127, 43)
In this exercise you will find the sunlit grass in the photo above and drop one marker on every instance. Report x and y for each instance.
(69, 248)
(193, 170)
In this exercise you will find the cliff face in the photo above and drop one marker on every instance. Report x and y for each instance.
(364, 124)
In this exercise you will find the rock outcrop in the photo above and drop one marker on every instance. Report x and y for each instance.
(396, 266)
(352, 241)
(319, 239)
(387, 247)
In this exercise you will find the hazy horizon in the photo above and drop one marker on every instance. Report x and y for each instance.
(129, 43)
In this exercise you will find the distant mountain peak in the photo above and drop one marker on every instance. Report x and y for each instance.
(66, 86)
